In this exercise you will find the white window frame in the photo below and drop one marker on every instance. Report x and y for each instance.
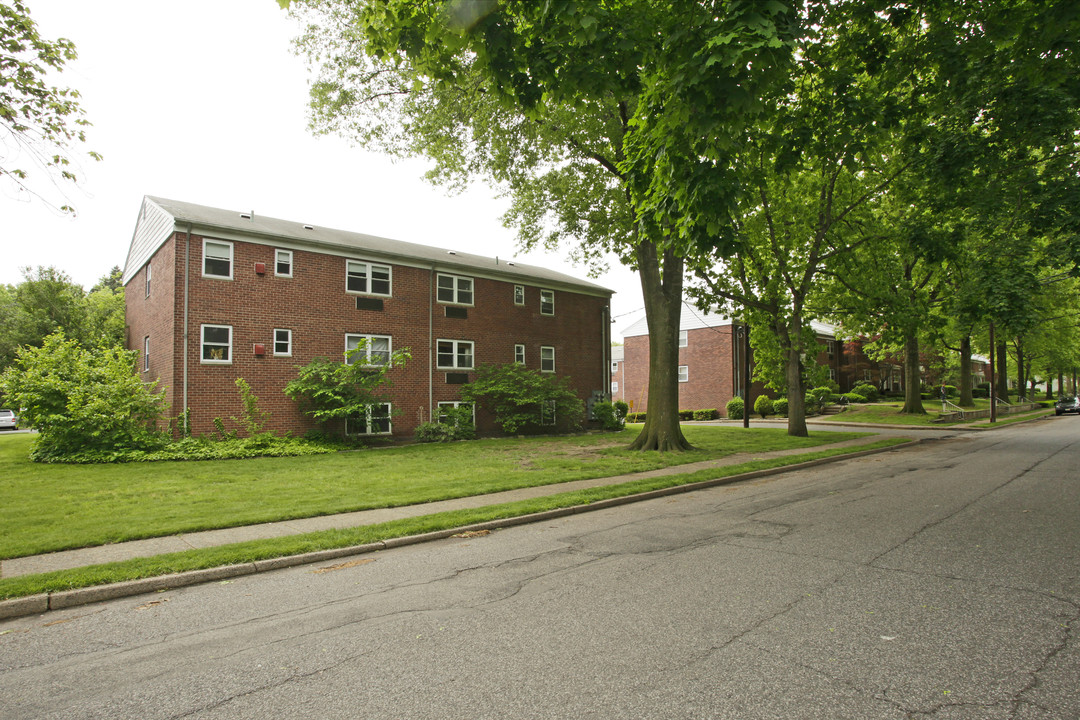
(368, 341)
(547, 412)
(147, 280)
(830, 347)
(545, 360)
(204, 346)
(614, 366)
(439, 417)
(519, 354)
(550, 295)
(868, 376)
(519, 294)
(366, 269)
(287, 341)
(684, 373)
(456, 290)
(456, 354)
(832, 373)
(684, 339)
(278, 255)
(146, 353)
(614, 386)
(222, 243)
(369, 416)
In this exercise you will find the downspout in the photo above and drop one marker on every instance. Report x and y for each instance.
(187, 274)
(605, 359)
(431, 345)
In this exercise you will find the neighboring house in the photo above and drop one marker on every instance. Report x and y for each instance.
(710, 362)
(213, 295)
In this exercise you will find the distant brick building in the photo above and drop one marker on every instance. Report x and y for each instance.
(213, 295)
(710, 366)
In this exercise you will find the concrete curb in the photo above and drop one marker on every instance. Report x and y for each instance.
(39, 604)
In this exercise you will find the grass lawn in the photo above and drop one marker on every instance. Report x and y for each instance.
(888, 413)
(56, 507)
(247, 552)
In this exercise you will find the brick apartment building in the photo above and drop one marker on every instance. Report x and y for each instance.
(214, 295)
(710, 363)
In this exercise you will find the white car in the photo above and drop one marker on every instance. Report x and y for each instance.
(8, 420)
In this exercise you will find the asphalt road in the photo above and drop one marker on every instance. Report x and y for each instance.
(939, 582)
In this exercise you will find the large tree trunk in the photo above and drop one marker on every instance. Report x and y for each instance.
(966, 397)
(1021, 373)
(790, 336)
(912, 377)
(662, 290)
(1002, 387)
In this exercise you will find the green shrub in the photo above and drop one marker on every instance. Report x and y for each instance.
(853, 397)
(763, 406)
(734, 408)
(83, 400)
(868, 391)
(703, 415)
(525, 400)
(779, 406)
(818, 398)
(610, 415)
(686, 414)
(635, 417)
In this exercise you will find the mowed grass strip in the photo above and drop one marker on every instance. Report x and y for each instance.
(49, 507)
(255, 550)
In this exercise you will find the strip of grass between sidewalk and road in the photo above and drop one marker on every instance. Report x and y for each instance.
(51, 507)
(889, 414)
(251, 551)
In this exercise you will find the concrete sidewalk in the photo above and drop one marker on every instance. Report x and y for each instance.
(68, 559)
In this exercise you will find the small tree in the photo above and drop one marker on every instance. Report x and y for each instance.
(524, 399)
(763, 406)
(734, 408)
(82, 400)
(330, 390)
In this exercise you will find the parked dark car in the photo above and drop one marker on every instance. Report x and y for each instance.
(8, 420)
(1067, 404)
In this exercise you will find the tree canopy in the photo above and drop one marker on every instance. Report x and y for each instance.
(39, 122)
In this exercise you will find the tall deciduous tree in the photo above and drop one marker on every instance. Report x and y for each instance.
(594, 119)
(39, 122)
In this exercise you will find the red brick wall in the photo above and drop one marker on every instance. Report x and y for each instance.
(315, 306)
(152, 316)
(709, 358)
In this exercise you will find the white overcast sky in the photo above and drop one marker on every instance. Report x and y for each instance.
(204, 101)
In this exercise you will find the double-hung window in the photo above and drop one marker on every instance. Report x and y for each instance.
(445, 407)
(282, 342)
(454, 289)
(519, 294)
(547, 412)
(684, 373)
(146, 353)
(455, 354)
(376, 421)
(217, 344)
(147, 279)
(519, 354)
(367, 349)
(283, 263)
(547, 358)
(683, 338)
(217, 259)
(367, 278)
(547, 302)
